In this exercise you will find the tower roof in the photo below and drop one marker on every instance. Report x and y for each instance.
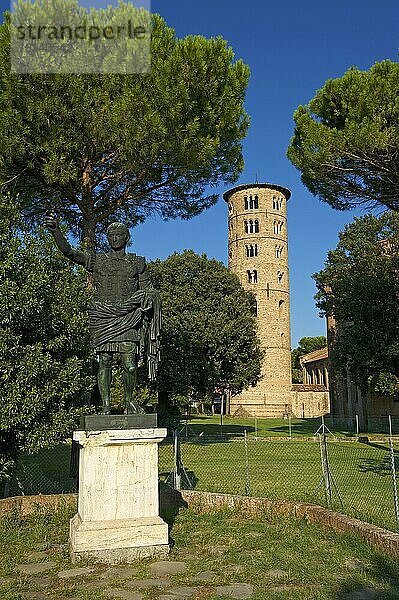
(245, 186)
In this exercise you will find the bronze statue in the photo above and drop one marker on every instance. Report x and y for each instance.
(124, 314)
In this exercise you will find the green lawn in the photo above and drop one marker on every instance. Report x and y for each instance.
(208, 425)
(211, 425)
(280, 469)
(291, 470)
(281, 558)
(46, 472)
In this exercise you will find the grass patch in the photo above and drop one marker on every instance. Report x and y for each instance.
(45, 472)
(291, 470)
(281, 557)
(209, 425)
(276, 469)
(341, 427)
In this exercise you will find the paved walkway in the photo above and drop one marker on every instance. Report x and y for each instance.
(121, 581)
(41, 577)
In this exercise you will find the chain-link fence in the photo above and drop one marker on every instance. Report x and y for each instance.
(45, 472)
(358, 425)
(356, 478)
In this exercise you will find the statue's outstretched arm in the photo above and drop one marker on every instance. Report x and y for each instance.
(76, 256)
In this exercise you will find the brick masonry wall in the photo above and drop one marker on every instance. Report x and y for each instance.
(309, 404)
(25, 505)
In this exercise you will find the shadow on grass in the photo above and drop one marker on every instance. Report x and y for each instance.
(377, 466)
(170, 504)
(213, 429)
(45, 472)
(383, 569)
(306, 427)
(381, 447)
(351, 592)
(309, 428)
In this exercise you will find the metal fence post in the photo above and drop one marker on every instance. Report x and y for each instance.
(177, 460)
(325, 468)
(393, 470)
(247, 486)
(327, 476)
(6, 491)
(221, 416)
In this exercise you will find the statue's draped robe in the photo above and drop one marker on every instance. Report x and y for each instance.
(125, 312)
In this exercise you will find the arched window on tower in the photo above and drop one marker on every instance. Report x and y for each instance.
(246, 226)
(275, 204)
(280, 308)
(251, 250)
(256, 202)
(280, 276)
(256, 226)
(246, 202)
(252, 276)
(255, 308)
(279, 251)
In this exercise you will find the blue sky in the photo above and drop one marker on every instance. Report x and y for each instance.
(292, 48)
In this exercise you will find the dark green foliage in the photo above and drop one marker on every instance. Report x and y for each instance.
(360, 287)
(346, 139)
(44, 353)
(209, 332)
(92, 147)
(306, 345)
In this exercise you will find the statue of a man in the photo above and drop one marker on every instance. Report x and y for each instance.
(124, 314)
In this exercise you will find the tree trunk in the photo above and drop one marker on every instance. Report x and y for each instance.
(163, 403)
(87, 208)
(89, 245)
(89, 235)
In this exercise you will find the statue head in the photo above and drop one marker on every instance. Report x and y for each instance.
(118, 235)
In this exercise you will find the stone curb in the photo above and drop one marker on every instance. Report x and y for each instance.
(385, 540)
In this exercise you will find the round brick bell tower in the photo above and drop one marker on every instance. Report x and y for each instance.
(258, 255)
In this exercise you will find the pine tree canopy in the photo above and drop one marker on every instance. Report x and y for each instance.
(95, 147)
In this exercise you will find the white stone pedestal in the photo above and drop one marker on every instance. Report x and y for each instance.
(118, 512)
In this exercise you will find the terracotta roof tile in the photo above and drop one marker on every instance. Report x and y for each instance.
(315, 355)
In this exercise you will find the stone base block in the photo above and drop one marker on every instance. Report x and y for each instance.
(119, 540)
